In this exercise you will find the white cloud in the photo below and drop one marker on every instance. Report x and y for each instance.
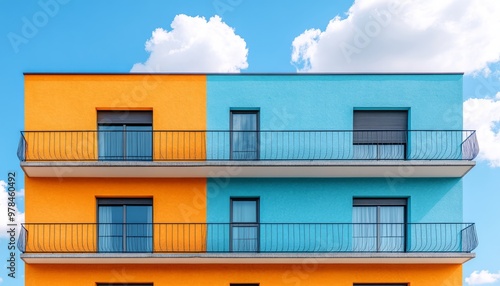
(404, 36)
(482, 277)
(483, 115)
(4, 205)
(195, 45)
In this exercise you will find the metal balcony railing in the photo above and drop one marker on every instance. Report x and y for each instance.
(247, 145)
(241, 237)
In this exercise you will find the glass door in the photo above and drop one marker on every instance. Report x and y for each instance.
(125, 135)
(379, 225)
(244, 225)
(125, 225)
(244, 135)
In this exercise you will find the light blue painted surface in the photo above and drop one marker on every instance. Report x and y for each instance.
(330, 200)
(315, 102)
(319, 102)
(327, 102)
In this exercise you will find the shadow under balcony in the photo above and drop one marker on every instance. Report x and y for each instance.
(263, 243)
(322, 153)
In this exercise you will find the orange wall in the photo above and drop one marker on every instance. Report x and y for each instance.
(74, 199)
(70, 102)
(267, 275)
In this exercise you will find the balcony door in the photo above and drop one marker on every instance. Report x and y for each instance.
(379, 225)
(125, 135)
(125, 225)
(380, 134)
(244, 135)
(244, 225)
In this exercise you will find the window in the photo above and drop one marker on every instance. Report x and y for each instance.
(380, 134)
(379, 225)
(244, 225)
(244, 135)
(125, 225)
(125, 135)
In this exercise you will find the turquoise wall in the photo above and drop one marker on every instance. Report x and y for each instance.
(330, 200)
(315, 102)
(318, 102)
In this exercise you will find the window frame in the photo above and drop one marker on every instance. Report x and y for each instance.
(119, 118)
(379, 143)
(385, 202)
(124, 202)
(243, 224)
(257, 131)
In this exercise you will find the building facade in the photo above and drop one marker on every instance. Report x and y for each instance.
(234, 179)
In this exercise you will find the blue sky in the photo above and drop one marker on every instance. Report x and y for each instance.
(268, 36)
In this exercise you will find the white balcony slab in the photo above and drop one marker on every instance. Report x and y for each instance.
(250, 169)
(248, 258)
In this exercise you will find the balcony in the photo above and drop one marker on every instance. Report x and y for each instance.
(179, 243)
(327, 153)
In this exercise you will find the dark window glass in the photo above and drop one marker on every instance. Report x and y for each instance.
(379, 225)
(244, 225)
(125, 135)
(125, 225)
(380, 134)
(244, 135)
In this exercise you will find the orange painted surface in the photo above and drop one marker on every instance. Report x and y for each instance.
(307, 274)
(70, 103)
(73, 200)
